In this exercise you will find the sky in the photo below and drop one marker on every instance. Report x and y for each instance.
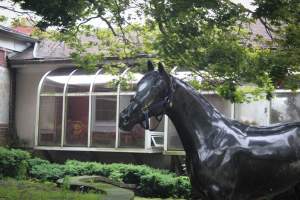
(97, 23)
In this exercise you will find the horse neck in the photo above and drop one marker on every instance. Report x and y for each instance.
(193, 117)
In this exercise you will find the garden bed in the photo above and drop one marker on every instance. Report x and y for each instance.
(149, 182)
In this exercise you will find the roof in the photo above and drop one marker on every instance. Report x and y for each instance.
(55, 51)
(17, 35)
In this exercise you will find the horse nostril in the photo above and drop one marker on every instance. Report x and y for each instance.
(124, 118)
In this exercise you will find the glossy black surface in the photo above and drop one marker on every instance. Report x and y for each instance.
(226, 160)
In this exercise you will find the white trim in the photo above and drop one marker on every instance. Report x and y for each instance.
(90, 106)
(127, 93)
(104, 93)
(37, 112)
(232, 111)
(52, 95)
(173, 71)
(63, 125)
(166, 129)
(269, 112)
(117, 142)
(286, 91)
(119, 150)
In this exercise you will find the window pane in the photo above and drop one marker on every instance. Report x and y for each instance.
(80, 81)
(174, 142)
(77, 121)
(104, 121)
(156, 125)
(220, 104)
(50, 121)
(55, 81)
(105, 83)
(285, 107)
(134, 138)
(254, 113)
(133, 79)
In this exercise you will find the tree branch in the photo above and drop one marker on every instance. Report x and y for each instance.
(28, 13)
(109, 25)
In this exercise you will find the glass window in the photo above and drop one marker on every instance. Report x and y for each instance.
(105, 83)
(222, 105)
(285, 107)
(103, 131)
(50, 122)
(174, 142)
(77, 109)
(134, 138)
(254, 113)
(80, 82)
(156, 125)
(55, 80)
(133, 79)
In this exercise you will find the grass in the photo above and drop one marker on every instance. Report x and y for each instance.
(11, 189)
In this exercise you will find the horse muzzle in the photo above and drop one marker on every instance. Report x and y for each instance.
(124, 122)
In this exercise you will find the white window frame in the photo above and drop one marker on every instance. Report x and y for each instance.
(91, 117)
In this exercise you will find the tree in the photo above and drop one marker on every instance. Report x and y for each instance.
(206, 36)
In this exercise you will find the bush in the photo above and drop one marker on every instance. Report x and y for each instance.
(150, 182)
(13, 162)
(50, 172)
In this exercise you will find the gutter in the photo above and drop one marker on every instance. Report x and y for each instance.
(68, 60)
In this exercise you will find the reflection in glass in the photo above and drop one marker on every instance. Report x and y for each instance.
(174, 142)
(254, 113)
(80, 81)
(105, 83)
(55, 81)
(104, 121)
(77, 121)
(134, 138)
(285, 107)
(222, 105)
(50, 121)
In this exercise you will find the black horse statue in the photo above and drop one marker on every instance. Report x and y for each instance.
(226, 160)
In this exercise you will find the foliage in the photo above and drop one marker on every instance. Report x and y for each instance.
(150, 182)
(13, 162)
(205, 36)
(30, 190)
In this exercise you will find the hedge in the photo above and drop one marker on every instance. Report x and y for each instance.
(13, 162)
(150, 182)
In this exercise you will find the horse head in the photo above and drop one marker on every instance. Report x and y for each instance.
(152, 97)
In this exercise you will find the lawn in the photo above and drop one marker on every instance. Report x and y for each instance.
(11, 189)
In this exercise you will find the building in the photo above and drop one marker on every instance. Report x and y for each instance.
(62, 110)
(11, 43)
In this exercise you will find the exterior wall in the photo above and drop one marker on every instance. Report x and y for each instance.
(27, 81)
(4, 100)
(4, 103)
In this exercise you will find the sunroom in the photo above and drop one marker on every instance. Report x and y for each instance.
(79, 111)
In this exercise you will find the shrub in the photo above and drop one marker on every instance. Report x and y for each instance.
(157, 185)
(150, 182)
(51, 172)
(13, 162)
(183, 187)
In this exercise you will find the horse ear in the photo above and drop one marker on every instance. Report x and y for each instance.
(150, 66)
(161, 68)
